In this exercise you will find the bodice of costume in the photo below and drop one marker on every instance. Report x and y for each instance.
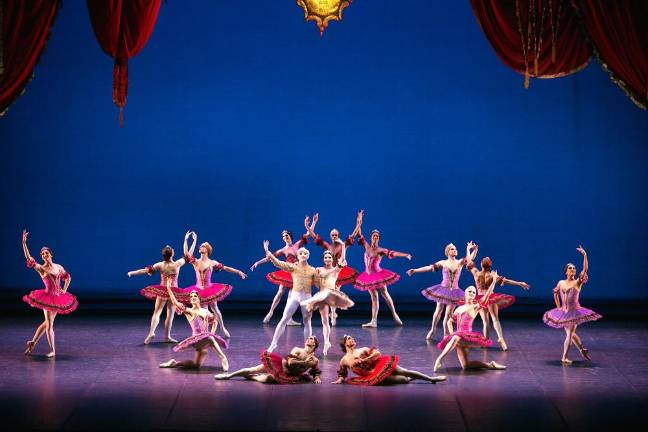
(365, 368)
(372, 263)
(464, 321)
(336, 248)
(172, 277)
(484, 281)
(298, 369)
(328, 281)
(52, 282)
(451, 278)
(569, 298)
(203, 278)
(199, 325)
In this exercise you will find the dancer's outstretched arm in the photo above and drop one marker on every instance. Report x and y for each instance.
(230, 269)
(148, 270)
(189, 251)
(506, 281)
(428, 268)
(274, 260)
(31, 262)
(358, 224)
(310, 226)
(395, 254)
(583, 276)
(471, 252)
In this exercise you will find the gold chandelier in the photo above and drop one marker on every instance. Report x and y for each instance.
(323, 11)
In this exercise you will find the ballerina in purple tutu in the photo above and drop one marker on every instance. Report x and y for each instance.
(202, 337)
(447, 294)
(52, 300)
(465, 338)
(210, 292)
(568, 313)
(376, 279)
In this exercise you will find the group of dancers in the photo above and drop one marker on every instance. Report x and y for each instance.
(295, 274)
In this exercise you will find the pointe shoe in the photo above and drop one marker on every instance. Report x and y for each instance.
(370, 324)
(267, 318)
(566, 361)
(148, 339)
(437, 366)
(225, 364)
(398, 321)
(30, 347)
(226, 333)
(438, 378)
(327, 346)
(333, 319)
(496, 366)
(292, 322)
(169, 339)
(502, 343)
(221, 376)
(169, 364)
(585, 353)
(50, 355)
(430, 335)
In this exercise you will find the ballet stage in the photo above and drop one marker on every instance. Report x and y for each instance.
(104, 378)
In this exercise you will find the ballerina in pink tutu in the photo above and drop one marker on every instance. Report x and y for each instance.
(496, 301)
(52, 300)
(447, 294)
(338, 248)
(202, 337)
(210, 292)
(568, 313)
(169, 270)
(465, 338)
(282, 278)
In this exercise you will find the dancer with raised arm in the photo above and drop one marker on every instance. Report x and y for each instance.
(447, 293)
(300, 366)
(568, 313)
(374, 368)
(303, 278)
(281, 278)
(465, 338)
(210, 292)
(376, 279)
(52, 300)
(169, 270)
(497, 301)
(202, 338)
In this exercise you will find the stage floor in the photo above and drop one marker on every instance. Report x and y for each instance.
(105, 378)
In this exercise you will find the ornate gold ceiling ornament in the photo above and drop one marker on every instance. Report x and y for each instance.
(323, 11)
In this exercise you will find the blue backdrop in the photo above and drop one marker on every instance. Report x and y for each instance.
(241, 119)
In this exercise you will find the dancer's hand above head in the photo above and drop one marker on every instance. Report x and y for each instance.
(187, 234)
(25, 233)
(581, 250)
(306, 222)
(266, 246)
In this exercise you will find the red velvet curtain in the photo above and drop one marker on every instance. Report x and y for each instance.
(24, 30)
(122, 28)
(536, 38)
(618, 31)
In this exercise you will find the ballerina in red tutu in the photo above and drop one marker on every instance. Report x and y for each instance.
(373, 368)
(52, 300)
(376, 279)
(465, 338)
(300, 366)
(282, 278)
(210, 292)
(496, 301)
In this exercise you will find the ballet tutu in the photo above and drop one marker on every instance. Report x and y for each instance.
(62, 303)
(443, 294)
(366, 282)
(558, 318)
(273, 364)
(209, 294)
(333, 298)
(152, 292)
(473, 339)
(198, 342)
(384, 367)
(280, 277)
(347, 275)
(501, 300)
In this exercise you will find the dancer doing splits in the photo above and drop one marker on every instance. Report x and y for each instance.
(52, 300)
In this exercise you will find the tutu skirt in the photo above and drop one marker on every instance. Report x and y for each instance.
(280, 277)
(472, 339)
(198, 342)
(558, 318)
(384, 367)
(366, 282)
(62, 303)
(347, 275)
(443, 294)
(208, 294)
(328, 297)
(273, 364)
(152, 292)
(501, 300)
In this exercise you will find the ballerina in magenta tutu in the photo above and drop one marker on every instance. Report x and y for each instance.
(202, 337)
(376, 279)
(52, 300)
(169, 270)
(298, 367)
(447, 294)
(465, 338)
(568, 313)
(496, 301)
(210, 292)
(282, 278)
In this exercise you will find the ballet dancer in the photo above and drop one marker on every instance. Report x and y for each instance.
(52, 300)
(568, 313)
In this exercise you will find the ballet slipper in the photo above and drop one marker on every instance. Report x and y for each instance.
(566, 361)
(438, 378)
(437, 366)
(169, 339)
(430, 335)
(148, 339)
(397, 320)
(50, 355)
(292, 322)
(226, 333)
(493, 365)
(333, 319)
(267, 318)
(30, 347)
(370, 324)
(224, 364)
(502, 343)
(327, 346)
(169, 364)
(585, 353)
(221, 376)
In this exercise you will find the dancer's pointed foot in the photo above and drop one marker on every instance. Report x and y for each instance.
(30, 347)
(565, 361)
(170, 339)
(148, 339)
(502, 343)
(226, 333)
(51, 354)
(267, 318)
(437, 366)
(169, 364)
(222, 376)
(224, 364)
(292, 322)
(333, 319)
(397, 320)
(585, 353)
(438, 378)
(430, 335)
(327, 346)
(496, 366)
(370, 324)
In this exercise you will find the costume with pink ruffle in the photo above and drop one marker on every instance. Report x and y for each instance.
(52, 298)
(207, 290)
(283, 373)
(200, 333)
(348, 274)
(571, 313)
(329, 294)
(152, 292)
(374, 277)
(282, 277)
(501, 300)
(373, 372)
(448, 291)
(465, 332)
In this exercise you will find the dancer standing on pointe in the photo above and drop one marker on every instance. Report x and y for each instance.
(496, 301)
(52, 300)
(447, 293)
(329, 294)
(338, 248)
(210, 292)
(282, 278)
(375, 279)
(169, 270)
(374, 368)
(464, 337)
(303, 278)
(201, 339)
(568, 313)
(300, 366)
